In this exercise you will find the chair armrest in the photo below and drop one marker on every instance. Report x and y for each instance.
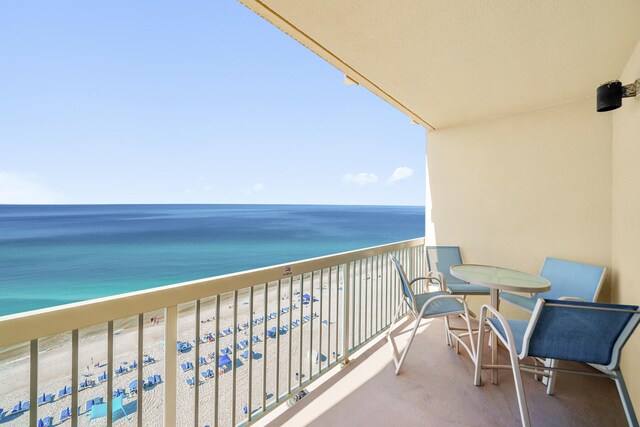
(573, 299)
(434, 277)
(429, 279)
(510, 342)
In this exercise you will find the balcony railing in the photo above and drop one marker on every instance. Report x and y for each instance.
(280, 328)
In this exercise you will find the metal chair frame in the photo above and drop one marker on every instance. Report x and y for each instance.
(612, 370)
(419, 313)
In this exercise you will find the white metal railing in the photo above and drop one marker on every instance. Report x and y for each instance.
(325, 308)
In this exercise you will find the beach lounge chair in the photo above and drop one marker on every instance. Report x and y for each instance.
(65, 414)
(20, 407)
(255, 339)
(157, 379)
(184, 367)
(325, 322)
(45, 422)
(91, 402)
(207, 374)
(85, 384)
(134, 365)
(203, 361)
(103, 377)
(65, 391)
(119, 392)
(245, 355)
(45, 398)
(272, 332)
(190, 381)
(425, 306)
(576, 331)
(147, 360)
(120, 370)
(439, 262)
(150, 383)
(182, 347)
(569, 281)
(133, 386)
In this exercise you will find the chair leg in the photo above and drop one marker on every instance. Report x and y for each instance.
(447, 331)
(394, 350)
(626, 399)
(517, 379)
(406, 349)
(551, 381)
(536, 375)
(477, 377)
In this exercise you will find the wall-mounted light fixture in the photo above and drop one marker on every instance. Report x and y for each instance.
(610, 94)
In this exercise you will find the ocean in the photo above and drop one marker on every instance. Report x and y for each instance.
(54, 254)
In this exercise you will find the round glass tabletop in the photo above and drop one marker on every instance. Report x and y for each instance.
(500, 278)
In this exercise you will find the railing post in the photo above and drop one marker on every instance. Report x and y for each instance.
(170, 340)
(345, 325)
(74, 377)
(196, 391)
(140, 372)
(110, 373)
(33, 384)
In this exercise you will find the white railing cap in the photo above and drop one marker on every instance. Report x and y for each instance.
(26, 326)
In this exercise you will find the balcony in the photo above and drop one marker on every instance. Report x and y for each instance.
(435, 388)
(240, 346)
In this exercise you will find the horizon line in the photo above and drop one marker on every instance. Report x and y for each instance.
(203, 204)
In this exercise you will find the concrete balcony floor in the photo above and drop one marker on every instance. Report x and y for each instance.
(435, 388)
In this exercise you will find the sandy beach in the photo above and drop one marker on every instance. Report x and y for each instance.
(55, 364)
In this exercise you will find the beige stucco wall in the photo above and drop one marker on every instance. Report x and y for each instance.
(626, 217)
(514, 190)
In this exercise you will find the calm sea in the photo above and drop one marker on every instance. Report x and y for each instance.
(51, 255)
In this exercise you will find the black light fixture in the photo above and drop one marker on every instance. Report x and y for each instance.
(610, 94)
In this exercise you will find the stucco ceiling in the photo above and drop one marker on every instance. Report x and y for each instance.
(451, 62)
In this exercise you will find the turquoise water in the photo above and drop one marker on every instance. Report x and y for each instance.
(51, 255)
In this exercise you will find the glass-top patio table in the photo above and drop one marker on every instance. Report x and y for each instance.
(499, 279)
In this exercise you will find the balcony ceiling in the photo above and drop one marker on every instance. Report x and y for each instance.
(447, 63)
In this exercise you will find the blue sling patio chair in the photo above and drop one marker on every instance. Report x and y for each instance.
(571, 281)
(429, 305)
(439, 261)
(575, 331)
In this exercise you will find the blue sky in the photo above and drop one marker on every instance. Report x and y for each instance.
(196, 102)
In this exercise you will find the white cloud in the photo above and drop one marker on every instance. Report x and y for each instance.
(361, 179)
(255, 188)
(18, 188)
(401, 173)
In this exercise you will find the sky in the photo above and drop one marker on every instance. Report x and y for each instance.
(188, 102)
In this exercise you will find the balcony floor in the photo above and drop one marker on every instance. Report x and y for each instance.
(435, 388)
